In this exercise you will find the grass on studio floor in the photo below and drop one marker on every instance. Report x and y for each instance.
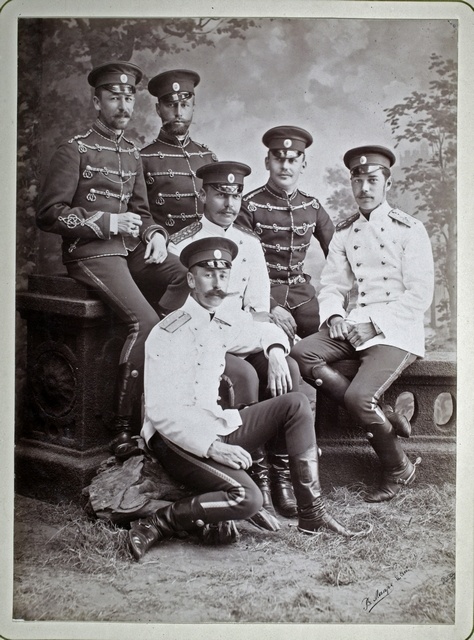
(279, 577)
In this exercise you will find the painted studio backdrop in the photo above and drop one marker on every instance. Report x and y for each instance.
(348, 81)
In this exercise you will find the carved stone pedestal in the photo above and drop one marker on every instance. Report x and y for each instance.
(73, 350)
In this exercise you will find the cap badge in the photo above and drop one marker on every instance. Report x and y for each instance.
(363, 160)
(231, 178)
(176, 86)
(287, 143)
(123, 78)
(217, 254)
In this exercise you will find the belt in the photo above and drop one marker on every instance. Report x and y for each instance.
(289, 281)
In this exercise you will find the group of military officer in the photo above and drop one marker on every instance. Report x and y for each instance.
(127, 217)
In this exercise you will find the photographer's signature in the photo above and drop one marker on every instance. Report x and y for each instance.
(368, 603)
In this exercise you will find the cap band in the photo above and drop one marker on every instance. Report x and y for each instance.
(212, 264)
(367, 168)
(285, 153)
(227, 188)
(126, 89)
(176, 97)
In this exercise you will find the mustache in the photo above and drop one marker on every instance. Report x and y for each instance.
(220, 294)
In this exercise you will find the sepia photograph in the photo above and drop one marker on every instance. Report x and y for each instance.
(236, 277)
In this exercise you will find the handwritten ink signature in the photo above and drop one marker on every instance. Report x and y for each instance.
(380, 594)
(368, 604)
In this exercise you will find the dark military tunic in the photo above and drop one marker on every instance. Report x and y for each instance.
(285, 223)
(170, 168)
(91, 176)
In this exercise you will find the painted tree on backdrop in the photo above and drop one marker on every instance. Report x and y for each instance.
(430, 117)
(54, 57)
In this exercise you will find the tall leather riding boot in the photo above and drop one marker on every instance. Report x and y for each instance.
(335, 384)
(264, 519)
(122, 445)
(330, 381)
(397, 469)
(184, 515)
(259, 474)
(312, 514)
(282, 493)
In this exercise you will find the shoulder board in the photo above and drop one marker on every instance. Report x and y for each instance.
(174, 321)
(80, 136)
(347, 222)
(130, 143)
(306, 195)
(219, 321)
(401, 216)
(200, 144)
(187, 232)
(253, 193)
(246, 230)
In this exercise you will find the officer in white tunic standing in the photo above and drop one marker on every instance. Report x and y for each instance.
(387, 254)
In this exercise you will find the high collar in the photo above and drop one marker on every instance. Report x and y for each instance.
(280, 193)
(104, 131)
(198, 313)
(215, 229)
(167, 137)
(382, 210)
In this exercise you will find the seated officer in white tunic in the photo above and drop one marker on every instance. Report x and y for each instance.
(387, 253)
(198, 442)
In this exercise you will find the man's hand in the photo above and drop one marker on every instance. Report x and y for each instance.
(129, 224)
(156, 251)
(231, 455)
(279, 378)
(284, 319)
(262, 316)
(360, 333)
(339, 328)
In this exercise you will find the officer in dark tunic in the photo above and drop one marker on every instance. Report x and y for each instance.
(170, 162)
(285, 218)
(94, 196)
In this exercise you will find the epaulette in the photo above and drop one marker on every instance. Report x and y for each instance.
(306, 195)
(174, 320)
(246, 230)
(401, 216)
(80, 135)
(131, 143)
(219, 321)
(347, 222)
(200, 144)
(186, 232)
(253, 193)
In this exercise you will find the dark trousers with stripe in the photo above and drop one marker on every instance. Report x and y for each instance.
(135, 291)
(230, 494)
(380, 366)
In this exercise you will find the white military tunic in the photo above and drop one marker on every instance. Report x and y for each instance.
(390, 259)
(249, 275)
(184, 359)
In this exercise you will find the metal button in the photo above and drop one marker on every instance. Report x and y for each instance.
(362, 293)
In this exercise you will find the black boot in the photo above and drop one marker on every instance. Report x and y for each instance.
(398, 470)
(330, 382)
(122, 445)
(183, 515)
(259, 474)
(282, 493)
(312, 514)
(400, 423)
(334, 384)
